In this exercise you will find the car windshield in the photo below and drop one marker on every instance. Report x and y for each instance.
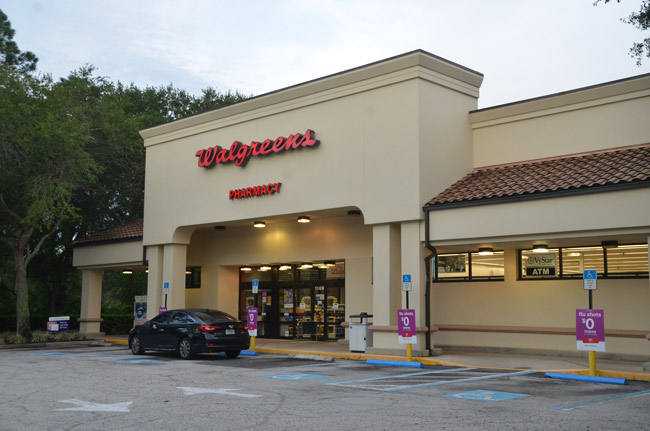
(214, 316)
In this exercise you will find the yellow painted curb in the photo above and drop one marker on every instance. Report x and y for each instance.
(116, 341)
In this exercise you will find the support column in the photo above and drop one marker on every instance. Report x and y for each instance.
(386, 295)
(154, 280)
(91, 302)
(174, 263)
(412, 262)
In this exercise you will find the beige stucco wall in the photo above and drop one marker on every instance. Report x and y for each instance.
(578, 216)
(589, 120)
(112, 255)
(377, 152)
(539, 304)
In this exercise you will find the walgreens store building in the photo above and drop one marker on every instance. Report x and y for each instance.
(357, 178)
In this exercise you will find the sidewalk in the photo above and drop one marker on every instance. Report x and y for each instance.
(606, 368)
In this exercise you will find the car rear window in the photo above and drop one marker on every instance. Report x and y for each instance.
(214, 316)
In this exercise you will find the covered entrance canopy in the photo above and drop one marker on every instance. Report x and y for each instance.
(118, 249)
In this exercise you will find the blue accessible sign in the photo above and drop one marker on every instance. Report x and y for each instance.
(590, 277)
(406, 283)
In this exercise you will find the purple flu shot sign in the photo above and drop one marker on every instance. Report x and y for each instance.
(406, 326)
(252, 321)
(590, 330)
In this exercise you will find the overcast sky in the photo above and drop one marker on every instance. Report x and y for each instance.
(524, 48)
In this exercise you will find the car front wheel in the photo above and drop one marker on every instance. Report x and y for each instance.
(185, 349)
(136, 346)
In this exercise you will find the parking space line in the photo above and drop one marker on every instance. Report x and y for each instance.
(449, 382)
(419, 373)
(600, 400)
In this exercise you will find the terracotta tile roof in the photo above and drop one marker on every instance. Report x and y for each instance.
(128, 231)
(588, 172)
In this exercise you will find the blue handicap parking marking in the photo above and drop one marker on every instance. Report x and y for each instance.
(481, 395)
(296, 376)
(50, 354)
(140, 361)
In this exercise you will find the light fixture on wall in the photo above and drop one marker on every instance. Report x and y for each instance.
(188, 271)
(486, 251)
(609, 244)
(127, 271)
(265, 268)
(304, 219)
(245, 268)
(540, 248)
(306, 265)
(285, 267)
(259, 224)
(354, 213)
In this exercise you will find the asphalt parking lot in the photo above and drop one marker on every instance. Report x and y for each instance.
(107, 388)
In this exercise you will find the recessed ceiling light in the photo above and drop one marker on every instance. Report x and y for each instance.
(127, 271)
(259, 224)
(354, 213)
(285, 267)
(486, 251)
(330, 263)
(304, 219)
(219, 227)
(265, 268)
(540, 248)
(306, 265)
(245, 268)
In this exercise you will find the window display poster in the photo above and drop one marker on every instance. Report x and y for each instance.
(288, 298)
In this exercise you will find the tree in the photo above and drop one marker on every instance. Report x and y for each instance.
(42, 161)
(640, 20)
(10, 55)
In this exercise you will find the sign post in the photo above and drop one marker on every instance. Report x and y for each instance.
(252, 324)
(252, 314)
(590, 280)
(407, 287)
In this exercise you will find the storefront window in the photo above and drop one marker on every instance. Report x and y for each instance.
(193, 278)
(487, 267)
(576, 259)
(622, 261)
(627, 260)
(469, 266)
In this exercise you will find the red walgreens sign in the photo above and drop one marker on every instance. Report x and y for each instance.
(240, 153)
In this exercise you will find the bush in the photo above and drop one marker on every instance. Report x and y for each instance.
(117, 324)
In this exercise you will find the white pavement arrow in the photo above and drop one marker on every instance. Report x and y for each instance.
(85, 406)
(194, 391)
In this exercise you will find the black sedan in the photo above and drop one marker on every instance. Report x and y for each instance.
(189, 332)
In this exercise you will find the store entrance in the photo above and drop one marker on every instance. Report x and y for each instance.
(306, 304)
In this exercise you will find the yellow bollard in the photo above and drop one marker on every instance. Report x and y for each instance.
(409, 352)
(252, 347)
(592, 363)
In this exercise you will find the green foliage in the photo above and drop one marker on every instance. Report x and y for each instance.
(40, 337)
(71, 165)
(117, 324)
(640, 20)
(10, 55)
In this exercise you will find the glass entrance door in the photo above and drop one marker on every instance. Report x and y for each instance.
(286, 307)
